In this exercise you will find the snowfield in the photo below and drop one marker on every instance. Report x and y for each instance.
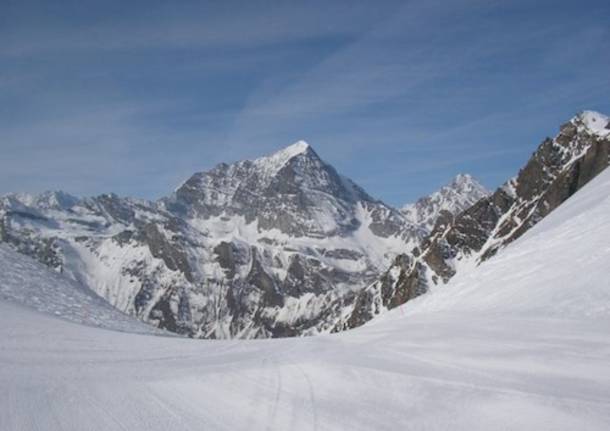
(520, 343)
(26, 282)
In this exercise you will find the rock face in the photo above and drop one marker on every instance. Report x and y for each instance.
(264, 248)
(460, 194)
(557, 169)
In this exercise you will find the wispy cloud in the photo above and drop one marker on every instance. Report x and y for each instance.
(193, 25)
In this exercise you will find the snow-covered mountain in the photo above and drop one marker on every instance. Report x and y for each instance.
(269, 247)
(284, 245)
(519, 343)
(460, 194)
(557, 169)
(292, 192)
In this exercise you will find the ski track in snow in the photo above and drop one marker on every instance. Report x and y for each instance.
(522, 342)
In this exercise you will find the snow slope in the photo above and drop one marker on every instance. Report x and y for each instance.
(521, 343)
(29, 283)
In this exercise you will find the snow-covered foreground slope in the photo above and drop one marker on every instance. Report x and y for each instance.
(521, 343)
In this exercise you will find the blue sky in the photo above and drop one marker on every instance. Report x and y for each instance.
(133, 97)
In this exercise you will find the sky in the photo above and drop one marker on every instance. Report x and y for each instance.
(134, 97)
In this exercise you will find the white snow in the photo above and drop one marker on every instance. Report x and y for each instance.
(28, 283)
(46, 200)
(270, 164)
(291, 150)
(596, 123)
(376, 251)
(520, 343)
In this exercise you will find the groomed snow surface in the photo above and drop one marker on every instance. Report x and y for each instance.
(521, 343)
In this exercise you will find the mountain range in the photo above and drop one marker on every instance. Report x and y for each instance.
(284, 245)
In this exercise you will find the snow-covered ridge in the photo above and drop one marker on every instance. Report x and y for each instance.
(556, 170)
(275, 161)
(48, 200)
(596, 123)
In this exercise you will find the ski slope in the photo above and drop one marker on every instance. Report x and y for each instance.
(522, 342)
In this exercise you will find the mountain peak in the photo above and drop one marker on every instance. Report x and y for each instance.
(594, 122)
(460, 193)
(463, 179)
(287, 153)
(465, 183)
(292, 191)
(272, 163)
(297, 148)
